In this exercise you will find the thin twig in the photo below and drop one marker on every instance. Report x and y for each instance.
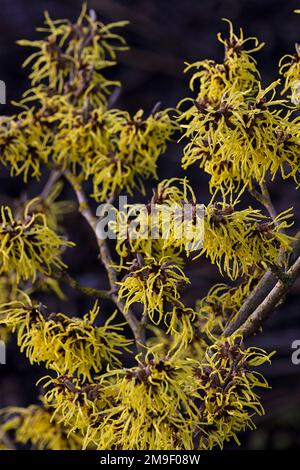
(114, 97)
(106, 259)
(142, 328)
(53, 178)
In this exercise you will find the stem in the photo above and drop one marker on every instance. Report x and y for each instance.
(53, 177)
(260, 292)
(267, 201)
(257, 296)
(74, 284)
(142, 328)
(6, 440)
(262, 312)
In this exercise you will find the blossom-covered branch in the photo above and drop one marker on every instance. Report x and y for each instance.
(186, 380)
(261, 313)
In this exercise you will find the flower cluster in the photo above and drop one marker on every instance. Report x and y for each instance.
(183, 382)
(153, 283)
(23, 144)
(75, 405)
(28, 245)
(164, 402)
(220, 305)
(130, 149)
(64, 344)
(66, 120)
(226, 392)
(238, 70)
(71, 58)
(238, 241)
(35, 425)
(168, 225)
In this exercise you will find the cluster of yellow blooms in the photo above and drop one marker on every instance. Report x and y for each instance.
(162, 403)
(66, 345)
(221, 304)
(189, 386)
(237, 241)
(237, 71)
(152, 283)
(161, 227)
(28, 244)
(290, 69)
(66, 120)
(36, 425)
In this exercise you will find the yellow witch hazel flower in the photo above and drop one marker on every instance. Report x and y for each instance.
(153, 283)
(237, 241)
(165, 402)
(71, 58)
(238, 71)
(26, 138)
(193, 330)
(152, 410)
(23, 144)
(67, 121)
(64, 344)
(184, 384)
(226, 385)
(132, 146)
(113, 148)
(180, 324)
(80, 136)
(28, 245)
(170, 223)
(35, 425)
(75, 405)
(67, 76)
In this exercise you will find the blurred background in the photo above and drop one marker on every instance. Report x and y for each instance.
(163, 34)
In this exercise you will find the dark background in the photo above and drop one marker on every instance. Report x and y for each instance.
(163, 34)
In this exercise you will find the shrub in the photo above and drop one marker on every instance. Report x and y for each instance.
(191, 381)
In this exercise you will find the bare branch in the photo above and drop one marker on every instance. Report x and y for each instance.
(261, 291)
(264, 199)
(262, 312)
